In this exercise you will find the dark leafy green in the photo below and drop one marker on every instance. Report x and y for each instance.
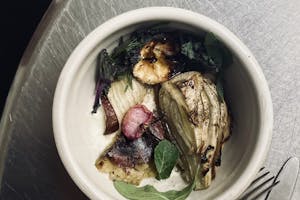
(187, 49)
(165, 158)
(122, 60)
(125, 47)
(219, 54)
(221, 57)
(148, 192)
(111, 67)
(104, 75)
(203, 53)
(104, 69)
(213, 49)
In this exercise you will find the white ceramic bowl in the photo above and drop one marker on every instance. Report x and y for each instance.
(78, 134)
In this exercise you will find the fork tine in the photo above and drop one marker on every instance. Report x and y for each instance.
(277, 175)
(260, 177)
(265, 190)
(245, 196)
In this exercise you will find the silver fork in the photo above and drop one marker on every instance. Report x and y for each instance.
(261, 185)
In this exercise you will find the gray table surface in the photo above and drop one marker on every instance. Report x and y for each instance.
(29, 164)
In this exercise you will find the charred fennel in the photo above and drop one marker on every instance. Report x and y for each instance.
(198, 121)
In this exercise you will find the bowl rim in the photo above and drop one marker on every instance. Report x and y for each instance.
(88, 44)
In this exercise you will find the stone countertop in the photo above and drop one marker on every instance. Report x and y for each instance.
(29, 164)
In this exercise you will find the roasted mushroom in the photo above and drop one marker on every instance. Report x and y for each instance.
(154, 67)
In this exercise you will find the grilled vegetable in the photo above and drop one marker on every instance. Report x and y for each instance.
(135, 121)
(183, 74)
(111, 121)
(198, 122)
(128, 157)
(153, 67)
(122, 100)
(133, 175)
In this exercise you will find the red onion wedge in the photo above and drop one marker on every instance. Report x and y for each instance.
(135, 121)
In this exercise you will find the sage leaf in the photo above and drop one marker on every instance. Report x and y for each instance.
(148, 192)
(165, 158)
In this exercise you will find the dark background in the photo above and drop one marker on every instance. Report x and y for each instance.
(18, 21)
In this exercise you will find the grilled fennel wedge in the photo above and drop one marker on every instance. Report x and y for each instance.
(199, 124)
(122, 99)
(119, 148)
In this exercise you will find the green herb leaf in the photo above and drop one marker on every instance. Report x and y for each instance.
(187, 49)
(165, 158)
(219, 54)
(129, 78)
(191, 49)
(125, 47)
(213, 49)
(105, 68)
(148, 192)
